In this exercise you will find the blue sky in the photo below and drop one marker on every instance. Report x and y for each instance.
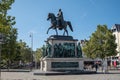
(84, 15)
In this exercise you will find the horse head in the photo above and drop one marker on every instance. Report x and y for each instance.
(51, 16)
(48, 16)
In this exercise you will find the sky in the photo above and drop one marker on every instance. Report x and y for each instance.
(85, 15)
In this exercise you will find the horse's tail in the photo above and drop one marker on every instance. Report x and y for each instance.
(70, 26)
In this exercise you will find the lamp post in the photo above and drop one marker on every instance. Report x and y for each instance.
(33, 55)
(31, 36)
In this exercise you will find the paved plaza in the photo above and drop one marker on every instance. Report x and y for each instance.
(112, 75)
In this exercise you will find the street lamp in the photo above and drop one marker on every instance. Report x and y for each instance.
(31, 36)
(33, 55)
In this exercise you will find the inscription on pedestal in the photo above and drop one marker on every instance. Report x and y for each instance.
(64, 64)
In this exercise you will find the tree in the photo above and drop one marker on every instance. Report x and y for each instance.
(25, 52)
(38, 54)
(6, 20)
(101, 44)
(6, 28)
(89, 49)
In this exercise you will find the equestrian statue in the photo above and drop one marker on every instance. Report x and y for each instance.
(59, 22)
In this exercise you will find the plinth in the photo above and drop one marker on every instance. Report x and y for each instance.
(62, 55)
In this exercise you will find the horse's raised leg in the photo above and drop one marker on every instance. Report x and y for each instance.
(48, 29)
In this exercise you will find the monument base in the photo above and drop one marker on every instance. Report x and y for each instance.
(61, 64)
(74, 72)
(62, 54)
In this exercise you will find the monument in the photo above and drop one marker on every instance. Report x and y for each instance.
(61, 52)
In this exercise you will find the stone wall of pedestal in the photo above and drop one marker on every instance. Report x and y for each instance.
(58, 64)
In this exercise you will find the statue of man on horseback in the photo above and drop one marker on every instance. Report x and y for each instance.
(59, 22)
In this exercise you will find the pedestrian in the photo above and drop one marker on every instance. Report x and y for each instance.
(96, 66)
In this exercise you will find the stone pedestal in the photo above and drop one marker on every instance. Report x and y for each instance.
(61, 64)
(63, 54)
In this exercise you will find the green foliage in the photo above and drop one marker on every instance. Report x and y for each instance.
(6, 20)
(12, 50)
(24, 51)
(89, 49)
(6, 28)
(101, 44)
(38, 54)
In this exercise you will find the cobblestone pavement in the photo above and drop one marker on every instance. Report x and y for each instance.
(112, 75)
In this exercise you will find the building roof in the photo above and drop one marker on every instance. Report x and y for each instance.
(116, 27)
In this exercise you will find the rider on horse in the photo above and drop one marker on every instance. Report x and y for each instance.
(60, 19)
(59, 23)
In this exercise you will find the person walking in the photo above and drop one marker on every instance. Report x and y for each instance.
(96, 66)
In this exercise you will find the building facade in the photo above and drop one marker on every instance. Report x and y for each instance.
(116, 31)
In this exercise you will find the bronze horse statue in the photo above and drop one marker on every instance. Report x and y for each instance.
(53, 19)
